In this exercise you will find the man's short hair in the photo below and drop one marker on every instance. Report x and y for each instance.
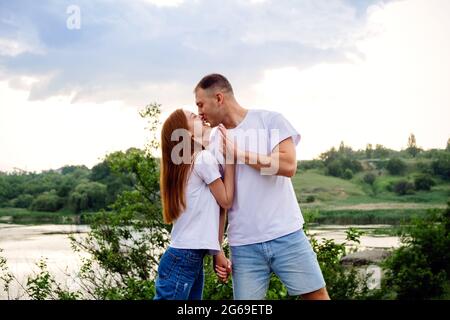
(214, 81)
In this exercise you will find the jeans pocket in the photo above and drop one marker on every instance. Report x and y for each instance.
(167, 265)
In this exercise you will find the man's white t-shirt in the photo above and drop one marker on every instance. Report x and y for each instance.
(265, 207)
(197, 227)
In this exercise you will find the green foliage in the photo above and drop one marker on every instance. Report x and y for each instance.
(43, 286)
(403, 187)
(342, 283)
(380, 152)
(48, 201)
(341, 163)
(214, 289)
(424, 168)
(369, 151)
(423, 182)
(420, 269)
(412, 148)
(396, 166)
(6, 277)
(22, 201)
(369, 178)
(441, 165)
(309, 164)
(348, 174)
(88, 196)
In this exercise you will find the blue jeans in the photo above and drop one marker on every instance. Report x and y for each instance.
(290, 257)
(180, 275)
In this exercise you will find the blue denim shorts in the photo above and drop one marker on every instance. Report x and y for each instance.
(290, 257)
(180, 275)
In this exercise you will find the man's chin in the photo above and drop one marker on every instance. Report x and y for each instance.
(212, 124)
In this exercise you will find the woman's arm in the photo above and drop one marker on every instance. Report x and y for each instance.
(223, 191)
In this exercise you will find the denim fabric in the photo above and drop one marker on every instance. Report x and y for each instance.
(290, 257)
(180, 275)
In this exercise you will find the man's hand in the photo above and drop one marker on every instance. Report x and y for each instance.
(222, 266)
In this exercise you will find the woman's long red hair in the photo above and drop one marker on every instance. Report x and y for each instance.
(173, 176)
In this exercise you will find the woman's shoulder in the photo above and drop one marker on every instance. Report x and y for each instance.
(205, 157)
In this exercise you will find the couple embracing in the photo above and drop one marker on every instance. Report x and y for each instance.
(232, 163)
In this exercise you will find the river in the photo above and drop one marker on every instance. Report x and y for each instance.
(24, 245)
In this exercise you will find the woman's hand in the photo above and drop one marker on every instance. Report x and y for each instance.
(227, 147)
(222, 266)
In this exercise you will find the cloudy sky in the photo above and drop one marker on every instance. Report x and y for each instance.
(361, 71)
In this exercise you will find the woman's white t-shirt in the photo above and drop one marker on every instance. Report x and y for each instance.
(197, 227)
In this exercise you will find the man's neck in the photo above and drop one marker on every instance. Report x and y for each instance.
(234, 116)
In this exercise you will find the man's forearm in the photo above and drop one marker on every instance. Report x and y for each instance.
(274, 164)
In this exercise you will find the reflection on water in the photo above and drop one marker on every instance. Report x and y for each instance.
(367, 240)
(24, 245)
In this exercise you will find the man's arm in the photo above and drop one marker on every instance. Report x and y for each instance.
(282, 161)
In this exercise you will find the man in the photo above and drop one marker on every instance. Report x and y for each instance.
(265, 222)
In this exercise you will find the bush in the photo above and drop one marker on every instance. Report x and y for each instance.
(441, 166)
(424, 168)
(369, 178)
(421, 268)
(342, 283)
(396, 166)
(424, 182)
(403, 187)
(348, 174)
(334, 168)
(309, 164)
(48, 201)
(22, 201)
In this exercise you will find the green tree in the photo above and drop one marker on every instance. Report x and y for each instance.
(412, 148)
(424, 182)
(369, 151)
(88, 196)
(380, 152)
(23, 201)
(403, 187)
(396, 166)
(369, 178)
(441, 165)
(48, 201)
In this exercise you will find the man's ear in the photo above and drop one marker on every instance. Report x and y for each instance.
(219, 97)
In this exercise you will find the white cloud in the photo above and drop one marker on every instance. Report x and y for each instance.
(10, 47)
(400, 86)
(51, 133)
(164, 3)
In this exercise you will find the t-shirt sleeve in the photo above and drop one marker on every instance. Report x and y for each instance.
(280, 129)
(206, 167)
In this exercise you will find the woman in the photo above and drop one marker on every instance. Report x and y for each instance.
(192, 193)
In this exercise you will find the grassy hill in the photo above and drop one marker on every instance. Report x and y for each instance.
(327, 199)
